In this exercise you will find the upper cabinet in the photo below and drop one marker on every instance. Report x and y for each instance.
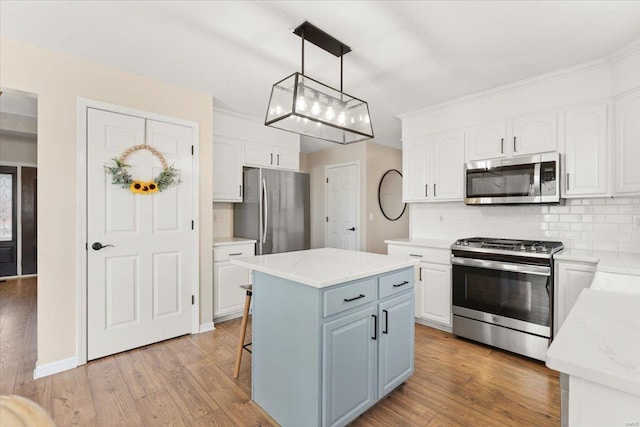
(433, 167)
(585, 151)
(240, 141)
(628, 144)
(523, 136)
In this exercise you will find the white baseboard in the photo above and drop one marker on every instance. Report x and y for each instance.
(55, 367)
(229, 316)
(433, 325)
(204, 327)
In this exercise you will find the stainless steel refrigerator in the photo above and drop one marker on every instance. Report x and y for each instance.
(274, 210)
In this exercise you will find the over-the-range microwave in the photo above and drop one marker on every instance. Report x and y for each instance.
(526, 179)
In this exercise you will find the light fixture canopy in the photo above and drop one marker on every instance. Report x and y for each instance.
(306, 106)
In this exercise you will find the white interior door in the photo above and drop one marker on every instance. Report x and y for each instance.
(343, 195)
(139, 291)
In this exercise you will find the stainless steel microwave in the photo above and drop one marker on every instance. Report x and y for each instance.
(527, 179)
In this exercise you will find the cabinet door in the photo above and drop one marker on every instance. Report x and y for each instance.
(487, 141)
(286, 159)
(395, 356)
(414, 170)
(435, 293)
(534, 134)
(227, 171)
(571, 279)
(585, 154)
(348, 366)
(228, 296)
(628, 143)
(256, 154)
(447, 163)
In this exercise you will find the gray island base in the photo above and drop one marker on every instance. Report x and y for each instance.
(325, 352)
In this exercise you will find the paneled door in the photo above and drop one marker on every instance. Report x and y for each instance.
(342, 207)
(8, 221)
(139, 284)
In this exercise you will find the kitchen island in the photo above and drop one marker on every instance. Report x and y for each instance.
(332, 333)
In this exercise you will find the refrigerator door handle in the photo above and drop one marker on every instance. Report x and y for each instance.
(266, 210)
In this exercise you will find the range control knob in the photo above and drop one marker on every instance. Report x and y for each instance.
(523, 248)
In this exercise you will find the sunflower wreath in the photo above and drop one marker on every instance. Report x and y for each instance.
(120, 174)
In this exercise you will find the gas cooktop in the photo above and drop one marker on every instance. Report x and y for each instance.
(515, 247)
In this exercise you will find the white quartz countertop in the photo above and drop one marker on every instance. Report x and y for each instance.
(427, 243)
(600, 340)
(323, 267)
(225, 241)
(612, 262)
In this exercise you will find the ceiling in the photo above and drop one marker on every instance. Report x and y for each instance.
(405, 54)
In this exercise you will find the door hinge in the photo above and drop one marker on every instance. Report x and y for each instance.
(192, 150)
(327, 180)
(192, 225)
(193, 299)
(86, 246)
(326, 219)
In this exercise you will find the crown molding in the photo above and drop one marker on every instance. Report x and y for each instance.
(236, 114)
(628, 49)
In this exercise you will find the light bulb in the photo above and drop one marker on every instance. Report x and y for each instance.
(353, 120)
(315, 109)
(301, 104)
(278, 109)
(330, 114)
(342, 118)
(305, 120)
(366, 119)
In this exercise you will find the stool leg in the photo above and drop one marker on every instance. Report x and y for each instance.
(243, 332)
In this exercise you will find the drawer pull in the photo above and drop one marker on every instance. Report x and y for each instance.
(375, 327)
(354, 298)
(416, 255)
(386, 322)
(400, 284)
(237, 253)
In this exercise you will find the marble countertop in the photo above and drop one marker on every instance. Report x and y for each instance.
(224, 241)
(612, 262)
(427, 243)
(600, 340)
(323, 267)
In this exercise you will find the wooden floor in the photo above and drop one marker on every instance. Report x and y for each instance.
(187, 381)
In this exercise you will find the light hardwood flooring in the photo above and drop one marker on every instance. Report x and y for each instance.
(187, 381)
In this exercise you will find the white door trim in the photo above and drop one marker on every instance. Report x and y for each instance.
(81, 211)
(355, 163)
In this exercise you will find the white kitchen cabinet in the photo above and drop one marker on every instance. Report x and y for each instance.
(271, 156)
(571, 277)
(586, 151)
(433, 285)
(227, 170)
(433, 167)
(627, 119)
(526, 135)
(228, 296)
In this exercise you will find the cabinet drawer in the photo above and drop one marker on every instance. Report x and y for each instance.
(420, 253)
(349, 296)
(224, 253)
(396, 283)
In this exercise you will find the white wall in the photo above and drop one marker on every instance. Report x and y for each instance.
(20, 149)
(66, 78)
(597, 224)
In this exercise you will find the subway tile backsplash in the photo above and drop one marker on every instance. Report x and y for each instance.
(596, 224)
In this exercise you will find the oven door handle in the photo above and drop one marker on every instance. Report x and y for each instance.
(502, 266)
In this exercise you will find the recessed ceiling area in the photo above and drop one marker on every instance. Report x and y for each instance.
(405, 55)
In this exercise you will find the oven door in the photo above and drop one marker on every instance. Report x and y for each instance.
(516, 296)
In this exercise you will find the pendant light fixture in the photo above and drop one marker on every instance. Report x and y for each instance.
(305, 106)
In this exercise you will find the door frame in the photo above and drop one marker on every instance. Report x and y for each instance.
(355, 163)
(19, 166)
(82, 105)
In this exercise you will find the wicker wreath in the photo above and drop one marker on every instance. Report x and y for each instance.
(120, 174)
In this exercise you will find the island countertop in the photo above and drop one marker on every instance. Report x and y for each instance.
(323, 267)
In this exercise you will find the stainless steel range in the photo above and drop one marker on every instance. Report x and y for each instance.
(503, 293)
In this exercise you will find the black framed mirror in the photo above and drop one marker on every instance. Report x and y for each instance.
(390, 195)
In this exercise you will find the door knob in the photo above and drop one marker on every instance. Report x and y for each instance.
(97, 246)
(351, 229)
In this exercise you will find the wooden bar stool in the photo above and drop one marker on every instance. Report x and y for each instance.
(243, 329)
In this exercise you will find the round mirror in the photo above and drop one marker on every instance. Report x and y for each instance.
(390, 195)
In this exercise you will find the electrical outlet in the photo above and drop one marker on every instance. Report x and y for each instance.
(636, 222)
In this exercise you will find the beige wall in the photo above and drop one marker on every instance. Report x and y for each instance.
(380, 159)
(20, 149)
(66, 78)
(374, 160)
(222, 219)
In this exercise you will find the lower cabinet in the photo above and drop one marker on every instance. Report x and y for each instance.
(571, 277)
(228, 296)
(434, 293)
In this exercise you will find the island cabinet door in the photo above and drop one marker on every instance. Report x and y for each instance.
(395, 357)
(349, 366)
